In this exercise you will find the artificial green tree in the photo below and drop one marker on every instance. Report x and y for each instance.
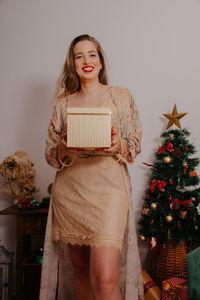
(171, 207)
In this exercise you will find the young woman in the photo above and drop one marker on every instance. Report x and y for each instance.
(90, 217)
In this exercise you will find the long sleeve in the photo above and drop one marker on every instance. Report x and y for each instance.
(130, 124)
(132, 130)
(53, 138)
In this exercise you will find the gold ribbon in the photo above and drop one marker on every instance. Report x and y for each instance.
(88, 113)
(173, 291)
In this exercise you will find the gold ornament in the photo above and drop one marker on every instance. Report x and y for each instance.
(153, 205)
(142, 237)
(169, 219)
(174, 118)
(167, 159)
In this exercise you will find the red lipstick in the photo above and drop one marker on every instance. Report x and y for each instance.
(88, 69)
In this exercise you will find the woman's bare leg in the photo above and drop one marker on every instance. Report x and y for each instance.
(80, 257)
(104, 273)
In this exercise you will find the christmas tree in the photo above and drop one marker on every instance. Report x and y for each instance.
(171, 207)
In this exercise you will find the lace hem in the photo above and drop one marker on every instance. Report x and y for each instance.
(93, 240)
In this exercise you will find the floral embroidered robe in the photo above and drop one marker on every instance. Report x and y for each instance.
(129, 264)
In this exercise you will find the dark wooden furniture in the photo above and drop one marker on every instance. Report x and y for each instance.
(29, 223)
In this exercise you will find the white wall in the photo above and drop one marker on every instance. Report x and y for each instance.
(152, 47)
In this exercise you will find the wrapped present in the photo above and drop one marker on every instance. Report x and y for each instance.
(151, 290)
(174, 288)
(88, 127)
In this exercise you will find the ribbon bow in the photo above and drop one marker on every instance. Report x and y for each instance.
(177, 203)
(173, 291)
(160, 184)
(169, 147)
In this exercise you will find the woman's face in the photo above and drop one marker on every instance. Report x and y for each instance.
(86, 60)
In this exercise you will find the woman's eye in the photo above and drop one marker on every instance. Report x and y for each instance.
(77, 57)
(94, 55)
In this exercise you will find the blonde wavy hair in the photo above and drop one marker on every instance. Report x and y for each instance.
(68, 81)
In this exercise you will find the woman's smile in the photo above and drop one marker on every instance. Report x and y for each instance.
(88, 69)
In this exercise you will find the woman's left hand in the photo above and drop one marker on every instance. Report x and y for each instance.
(115, 143)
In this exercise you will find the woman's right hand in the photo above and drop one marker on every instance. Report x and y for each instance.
(64, 149)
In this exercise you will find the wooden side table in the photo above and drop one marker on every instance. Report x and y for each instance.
(29, 222)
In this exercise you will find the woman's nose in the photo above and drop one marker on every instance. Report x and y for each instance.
(86, 59)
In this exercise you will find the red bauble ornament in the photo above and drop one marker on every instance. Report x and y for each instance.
(170, 181)
(151, 222)
(170, 198)
(186, 149)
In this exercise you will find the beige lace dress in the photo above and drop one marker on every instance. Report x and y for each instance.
(90, 203)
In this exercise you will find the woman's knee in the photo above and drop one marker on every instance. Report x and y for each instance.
(104, 283)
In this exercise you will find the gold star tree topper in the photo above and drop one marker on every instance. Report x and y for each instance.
(174, 118)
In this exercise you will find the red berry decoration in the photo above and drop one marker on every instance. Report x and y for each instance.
(185, 171)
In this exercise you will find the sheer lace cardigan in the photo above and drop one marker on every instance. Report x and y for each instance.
(129, 265)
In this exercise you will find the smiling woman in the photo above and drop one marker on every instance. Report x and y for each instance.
(90, 217)
(68, 82)
(86, 60)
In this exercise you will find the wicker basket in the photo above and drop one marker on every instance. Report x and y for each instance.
(169, 262)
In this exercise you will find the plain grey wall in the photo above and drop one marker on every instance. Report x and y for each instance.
(152, 48)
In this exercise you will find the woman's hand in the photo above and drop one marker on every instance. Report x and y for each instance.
(115, 143)
(64, 149)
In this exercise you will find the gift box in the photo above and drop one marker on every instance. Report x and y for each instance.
(174, 288)
(88, 127)
(151, 290)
